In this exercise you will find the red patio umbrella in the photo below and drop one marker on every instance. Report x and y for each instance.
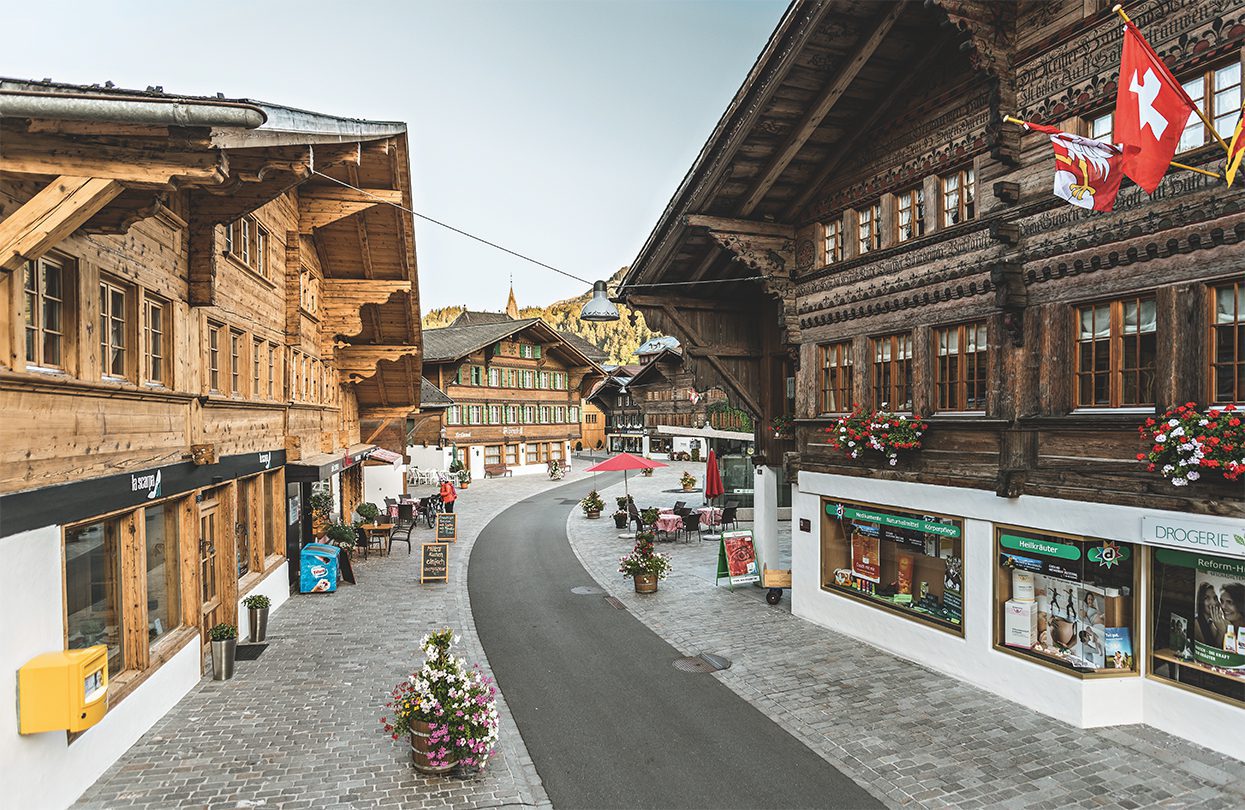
(713, 481)
(625, 462)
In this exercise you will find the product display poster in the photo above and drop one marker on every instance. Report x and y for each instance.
(1071, 620)
(740, 558)
(866, 557)
(1119, 648)
(447, 527)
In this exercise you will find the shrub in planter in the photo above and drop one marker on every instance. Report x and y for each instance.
(1187, 443)
(368, 511)
(257, 606)
(224, 638)
(592, 504)
(621, 519)
(321, 504)
(342, 535)
(448, 710)
(621, 500)
(649, 516)
(643, 564)
(687, 480)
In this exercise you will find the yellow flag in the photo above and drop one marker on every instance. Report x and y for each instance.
(1235, 150)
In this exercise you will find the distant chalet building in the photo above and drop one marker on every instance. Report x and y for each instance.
(199, 333)
(515, 387)
(891, 242)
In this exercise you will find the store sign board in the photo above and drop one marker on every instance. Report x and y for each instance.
(1195, 535)
(839, 511)
(1046, 548)
(434, 562)
(447, 527)
(737, 559)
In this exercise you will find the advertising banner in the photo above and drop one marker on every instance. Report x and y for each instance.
(1219, 606)
(740, 558)
(866, 557)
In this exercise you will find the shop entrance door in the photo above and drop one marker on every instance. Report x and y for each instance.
(209, 571)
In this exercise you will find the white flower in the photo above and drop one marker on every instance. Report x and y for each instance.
(893, 462)
(1193, 475)
(1160, 438)
(851, 444)
(1178, 431)
(1203, 422)
(903, 419)
(1179, 482)
(1173, 422)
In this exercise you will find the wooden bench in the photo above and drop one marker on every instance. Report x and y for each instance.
(496, 470)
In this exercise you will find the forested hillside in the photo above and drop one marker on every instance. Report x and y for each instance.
(619, 339)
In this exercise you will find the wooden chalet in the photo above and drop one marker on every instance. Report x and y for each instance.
(208, 311)
(876, 234)
(516, 386)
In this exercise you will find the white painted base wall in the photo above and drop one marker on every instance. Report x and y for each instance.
(45, 770)
(382, 482)
(1085, 703)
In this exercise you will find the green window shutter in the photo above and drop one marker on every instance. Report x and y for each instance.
(537, 348)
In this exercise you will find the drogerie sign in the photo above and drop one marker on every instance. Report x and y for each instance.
(1225, 539)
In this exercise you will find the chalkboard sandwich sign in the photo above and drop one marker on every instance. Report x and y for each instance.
(447, 527)
(434, 562)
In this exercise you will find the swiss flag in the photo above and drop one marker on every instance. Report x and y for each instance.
(1151, 111)
(1087, 173)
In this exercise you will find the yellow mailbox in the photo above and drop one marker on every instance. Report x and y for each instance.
(65, 690)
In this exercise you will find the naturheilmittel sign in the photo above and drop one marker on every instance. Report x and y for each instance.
(1225, 538)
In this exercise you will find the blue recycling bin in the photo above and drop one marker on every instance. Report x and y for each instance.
(318, 568)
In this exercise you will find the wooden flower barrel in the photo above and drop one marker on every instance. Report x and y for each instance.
(645, 583)
(421, 749)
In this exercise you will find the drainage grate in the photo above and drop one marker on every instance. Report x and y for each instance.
(249, 652)
(701, 663)
(614, 603)
(586, 590)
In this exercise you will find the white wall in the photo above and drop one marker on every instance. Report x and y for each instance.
(380, 482)
(276, 586)
(1085, 703)
(427, 457)
(765, 514)
(45, 770)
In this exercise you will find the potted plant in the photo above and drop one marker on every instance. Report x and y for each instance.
(224, 638)
(621, 517)
(464, 478)
(1187, 443)
(592, 505)
(880, 430)
(784, 427)
(643, 565)
(649, 516)
(448, 711)
(321, 505)
(343, 535)
(647, 472)
(257, 616)
(687, 480)
(370, 512)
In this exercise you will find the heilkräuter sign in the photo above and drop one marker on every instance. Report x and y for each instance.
(1225, 539)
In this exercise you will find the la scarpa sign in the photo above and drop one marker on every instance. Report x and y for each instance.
(146, 482)
(1225, 539)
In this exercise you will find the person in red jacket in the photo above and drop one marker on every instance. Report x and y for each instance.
(448, 495)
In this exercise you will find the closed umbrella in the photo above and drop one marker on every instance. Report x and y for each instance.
(713, 481)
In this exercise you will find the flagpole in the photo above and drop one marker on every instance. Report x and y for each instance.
(1119, 9)
(1013, 120)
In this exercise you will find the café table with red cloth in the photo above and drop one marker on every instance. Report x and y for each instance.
(668, 522)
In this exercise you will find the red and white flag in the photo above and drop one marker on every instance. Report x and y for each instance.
(1087, 172)
(1151, 111)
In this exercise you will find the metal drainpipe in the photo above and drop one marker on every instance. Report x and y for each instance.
(129, 109)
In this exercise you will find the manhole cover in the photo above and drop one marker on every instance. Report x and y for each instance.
(701, 663)
(586, 590)
(249, 652)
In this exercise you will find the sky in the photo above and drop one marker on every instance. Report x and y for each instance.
(557, 129)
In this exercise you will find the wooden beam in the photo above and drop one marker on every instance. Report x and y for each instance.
(715, 250)
(379, 429)
(741, 226)
(44, 220)
(327, 155)
(316, 213)
(136, 161)
(335, 193)
(723, 351)
(843, 149)
(820, 109)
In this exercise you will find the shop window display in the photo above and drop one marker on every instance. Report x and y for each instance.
(1198, 612)
(1066, 601)
(909, 562)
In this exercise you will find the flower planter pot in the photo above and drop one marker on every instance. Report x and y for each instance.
(423, 751)
(620, 520)
(688, 487)
(258, 621)
(647, 472)
(645, 583)
(464, 484)
(222, 659)
(593, 514)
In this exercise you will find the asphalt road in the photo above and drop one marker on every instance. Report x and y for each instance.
(606, 718)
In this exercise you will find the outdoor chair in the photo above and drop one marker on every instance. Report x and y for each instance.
(633, 516)
(366, 541)
(679, 505)
(691, 523)
(406, 515)
(730, 504)
(728, 517)
(401, 534)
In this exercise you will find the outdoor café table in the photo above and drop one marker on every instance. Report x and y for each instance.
(709, 515)
(375, 529)
(669, 523)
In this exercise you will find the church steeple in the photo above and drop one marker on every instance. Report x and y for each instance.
(512, 307)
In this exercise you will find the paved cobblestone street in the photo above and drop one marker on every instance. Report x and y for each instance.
(946, 744)
(297, 728)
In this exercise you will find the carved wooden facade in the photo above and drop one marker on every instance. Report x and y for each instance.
(822, 195)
